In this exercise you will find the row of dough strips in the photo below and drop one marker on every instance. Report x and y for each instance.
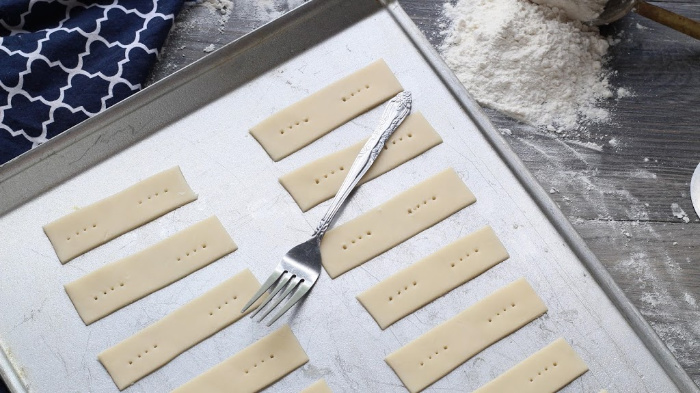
(418, 364)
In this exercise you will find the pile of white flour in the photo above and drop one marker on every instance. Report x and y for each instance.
(529, 61)
(583, 10)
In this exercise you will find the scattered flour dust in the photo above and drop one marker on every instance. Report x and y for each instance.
(622, 93)
(679, 213)
(219, 10)
(221, 7)
(529, 61)
(276, 8)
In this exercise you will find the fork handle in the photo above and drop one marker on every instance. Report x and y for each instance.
(394, 113)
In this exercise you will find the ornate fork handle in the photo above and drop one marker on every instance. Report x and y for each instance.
(395, 112)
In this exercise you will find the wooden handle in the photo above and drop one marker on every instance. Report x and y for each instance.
(670, 19)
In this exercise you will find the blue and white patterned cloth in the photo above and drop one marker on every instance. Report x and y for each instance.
(62, 61)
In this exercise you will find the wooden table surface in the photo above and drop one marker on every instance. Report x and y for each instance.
(616, 182)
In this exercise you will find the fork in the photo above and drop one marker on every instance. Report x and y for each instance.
(300, 267)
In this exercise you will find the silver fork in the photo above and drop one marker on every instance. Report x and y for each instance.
(301, 266)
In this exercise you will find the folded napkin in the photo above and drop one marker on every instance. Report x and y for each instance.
(62, 61)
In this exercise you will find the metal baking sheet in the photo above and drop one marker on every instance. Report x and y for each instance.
(198, 119)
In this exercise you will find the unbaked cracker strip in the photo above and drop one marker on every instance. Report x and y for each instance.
(434, 354)
(301, 123)
(154, 346)
(96, 224)
(407, 214)
(254, 368)
(320, 180)
(426, 280)
(118, 284)
(319, 386)
(546, 371)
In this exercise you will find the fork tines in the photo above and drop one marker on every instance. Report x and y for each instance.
(278, 286)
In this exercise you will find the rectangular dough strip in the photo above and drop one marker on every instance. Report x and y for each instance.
(320, 180)
(319, 386)
(546, 371)
(96, 224)
(303, 122)
(426, 280)
(442, 349)
(400, 218)
(159, 343)
(259, 365)
(120, 283)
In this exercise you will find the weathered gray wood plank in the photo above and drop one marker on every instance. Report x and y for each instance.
(654, 264)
